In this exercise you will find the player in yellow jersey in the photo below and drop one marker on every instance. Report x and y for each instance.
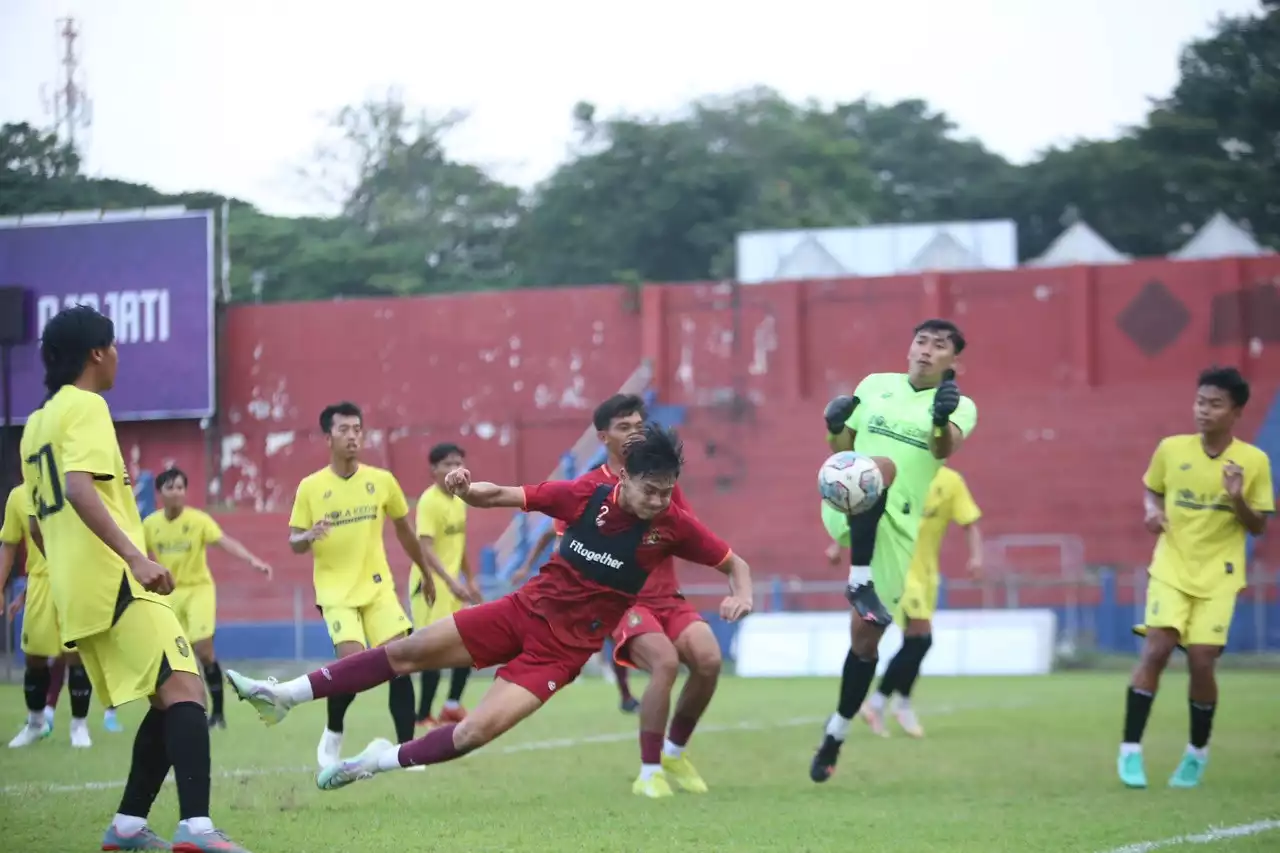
(442, 527)
(338, 516)
(110, 599)
(1204, 493)
(178, 537)
(40, 640)
(949, 501)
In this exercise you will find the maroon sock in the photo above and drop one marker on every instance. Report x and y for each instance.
(621, 673)
(56, 673)
(681, 729)
(352, 674)
(650, 747)
(435, 747)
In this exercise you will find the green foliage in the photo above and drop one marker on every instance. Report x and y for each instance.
(662, 199)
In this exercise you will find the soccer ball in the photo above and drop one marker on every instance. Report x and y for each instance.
(850, 482)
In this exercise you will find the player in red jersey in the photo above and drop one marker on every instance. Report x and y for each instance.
(543, 633)
(660, 632)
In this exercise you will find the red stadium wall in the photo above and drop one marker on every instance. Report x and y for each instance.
(1077, 372)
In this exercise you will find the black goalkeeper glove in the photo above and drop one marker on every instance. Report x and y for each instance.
(838, 412)
(945, 399)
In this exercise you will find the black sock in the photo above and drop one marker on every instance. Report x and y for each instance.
(400, 701)
(430, 683)
(35, 686)
(186, 736)
(458, 682)
(892, 679)
(150, 766)
(1137, 707)
(338, 705)
(81, 690)
(855, 684)
(915, 648)
(1201, 723)
(213, 678)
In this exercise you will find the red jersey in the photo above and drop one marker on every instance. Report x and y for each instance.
(582, 612)
(663, 583)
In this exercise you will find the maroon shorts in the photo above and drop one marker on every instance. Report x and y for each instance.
(506, 633)
(670, 618)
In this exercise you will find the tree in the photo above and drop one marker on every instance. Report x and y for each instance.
(36, 169)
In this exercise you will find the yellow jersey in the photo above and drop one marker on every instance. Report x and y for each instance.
(17, 528)
(443, 517)
(948, 500)
(73, 432)
(351, 561)
(1202, 550)
(179, 544)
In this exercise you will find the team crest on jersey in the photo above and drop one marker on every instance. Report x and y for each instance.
(368, 487)
(653, 537)
(633, 619)
(186, 528)
(183, 648)
(327, 495)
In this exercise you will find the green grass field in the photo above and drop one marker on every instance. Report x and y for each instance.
(1008, 765)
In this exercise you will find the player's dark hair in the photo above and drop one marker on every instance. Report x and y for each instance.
(658, 452)
(443, 451)
(943, 327)
(617, 406)
(168, 476)
(1229, 380)
(350, 410)
(67, 342)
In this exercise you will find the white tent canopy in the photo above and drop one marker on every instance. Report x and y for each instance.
(1220, 238)
(1079, 244)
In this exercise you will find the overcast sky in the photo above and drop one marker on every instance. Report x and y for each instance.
(230, 95)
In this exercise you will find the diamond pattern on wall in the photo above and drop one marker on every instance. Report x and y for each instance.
(1155, 319)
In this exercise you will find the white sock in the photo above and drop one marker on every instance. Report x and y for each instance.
(648, 771)
(859, 575)
(49, 712)
(389, 759)
(128, 824)
(296, 690)
(1131, 749)
(672, 750)
(1201, 753)
(35, 719)
(452, 704)
(904, 703)
(198, 825)
(876, 701)
(79, 723)
(109, 714)
(838, 727)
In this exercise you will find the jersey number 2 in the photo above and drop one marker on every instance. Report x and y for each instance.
(48, 474)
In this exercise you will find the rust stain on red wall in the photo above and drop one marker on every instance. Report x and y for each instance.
(1077, 372)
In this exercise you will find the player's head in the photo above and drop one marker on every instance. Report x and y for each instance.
(172, 486)
(935, 345)
(617, 421)
(1221, 395)
(444, 458)
(650, 469)
(343, 428)
(79, 344)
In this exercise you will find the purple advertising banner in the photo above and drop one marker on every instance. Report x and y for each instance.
(152, 276)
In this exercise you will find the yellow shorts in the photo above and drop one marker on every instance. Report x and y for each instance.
(1198, 621)
(40, 638)
(374, 624)
(446, 604)
(919, 596)
(132, 658)
(196, 607)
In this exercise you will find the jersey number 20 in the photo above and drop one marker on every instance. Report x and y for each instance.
(48, 476)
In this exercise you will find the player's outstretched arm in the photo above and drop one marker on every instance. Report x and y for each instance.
(236, 548)
(538, 547)
(483, 495)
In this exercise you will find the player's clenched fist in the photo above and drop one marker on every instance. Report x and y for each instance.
(734, 607)
(946, 399)
(838, 412)
(458, 481)
(153, 576)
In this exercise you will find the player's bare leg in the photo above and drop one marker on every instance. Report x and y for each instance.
(1156, 649)
(400, 704)
(212, 679)
(855, 684)
(900, 677)
(174, 733)
(1202, 663)
(505, 705)
(700, 652)
(656, 655)
(35, 687)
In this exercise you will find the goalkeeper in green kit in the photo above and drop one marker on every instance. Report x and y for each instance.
(916, 419)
